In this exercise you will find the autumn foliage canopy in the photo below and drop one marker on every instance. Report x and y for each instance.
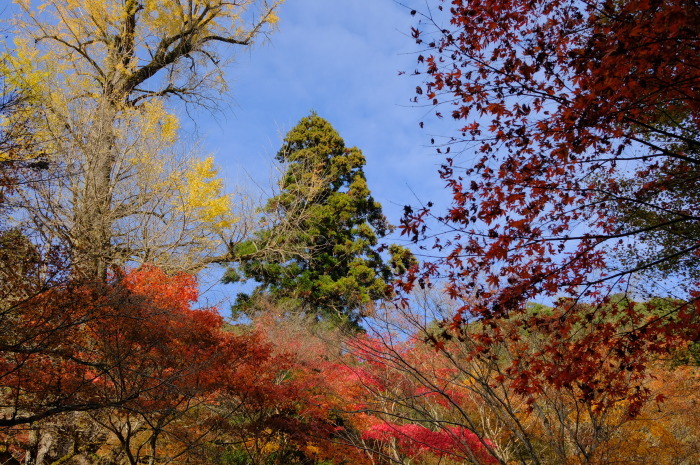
(81, 347)
(575, 180)
(555, 319)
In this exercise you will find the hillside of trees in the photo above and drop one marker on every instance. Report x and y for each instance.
(546, 311)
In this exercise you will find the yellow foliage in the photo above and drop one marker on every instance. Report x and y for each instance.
(23, 59)
(156, 130)
(93, 25)
(203, 195)
(270, 447)
(101, 73)
(312, 450)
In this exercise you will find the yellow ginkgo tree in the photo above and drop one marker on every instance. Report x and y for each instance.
(119, 186)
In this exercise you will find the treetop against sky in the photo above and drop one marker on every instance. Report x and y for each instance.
(342, 59)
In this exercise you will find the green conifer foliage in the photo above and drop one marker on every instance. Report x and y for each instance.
(331, 267)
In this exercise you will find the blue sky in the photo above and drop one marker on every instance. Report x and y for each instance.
(342, 59)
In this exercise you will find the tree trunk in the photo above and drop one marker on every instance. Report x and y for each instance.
(94, 219)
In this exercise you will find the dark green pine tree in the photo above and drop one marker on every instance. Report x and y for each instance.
(327, 263)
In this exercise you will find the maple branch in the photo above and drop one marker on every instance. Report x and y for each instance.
(666, 152)
(606, 237)
(82, 407)
(647, 265)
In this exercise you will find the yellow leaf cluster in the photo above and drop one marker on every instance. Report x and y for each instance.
(157, 129)
(26, 83)
(23, 59)
(203, 195)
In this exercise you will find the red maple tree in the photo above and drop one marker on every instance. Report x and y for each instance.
(578, 170)
(133, 341)
(295, 404)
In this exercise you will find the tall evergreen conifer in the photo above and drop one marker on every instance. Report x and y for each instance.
(332, 269)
